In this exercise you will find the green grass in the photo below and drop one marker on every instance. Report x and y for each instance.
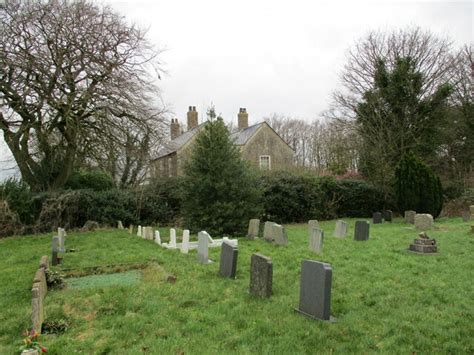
(385, 299)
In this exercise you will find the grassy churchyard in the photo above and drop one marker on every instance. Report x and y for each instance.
(385, 299)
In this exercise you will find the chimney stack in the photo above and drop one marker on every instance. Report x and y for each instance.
(192, 118)
(243, 118)
(175, 130)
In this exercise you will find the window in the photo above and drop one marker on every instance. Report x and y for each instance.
(265, 162)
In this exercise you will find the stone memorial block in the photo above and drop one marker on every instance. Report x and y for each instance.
(423, 244)
(387, 215)
(279, 234)
(40, 280)
(471, 211)
(361, 231)
(55, 250)
(254, 225)
(312, 223)
(377, 218)
(130, 229)
(316, 240)
(139, 231)
(261, 275)
(341, 229)
(315, 290)
(44, 262)
(410, 217)
(423, 221)
(157, 237)
(172, 243)
(268, 231)
(228, 264)
(185, 242)
(120, 225)
(37, 310)
(203, 247)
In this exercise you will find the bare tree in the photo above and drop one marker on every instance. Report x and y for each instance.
(71, 73)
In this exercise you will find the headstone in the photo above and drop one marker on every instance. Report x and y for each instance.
(387, 215)
(203, 247)
(341, 229)
(361, 231)
(62, 240)
(254, 225)
(120, 225)
(423, 244)
(139, 231)
(316, 240)
(40, 281)
(268, 231)
(423, 221)
(377, 218)
(261, 275)
(55, 250)
(172, 243)
(315, 290)
(279, 234)
(228, 264)
(147, 233)
(471, 211)
(185, 243)
(130, 229)
(37, 310)
(410, 217)
(157, 237)
(312, 223)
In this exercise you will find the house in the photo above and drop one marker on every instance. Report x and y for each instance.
(259, 144)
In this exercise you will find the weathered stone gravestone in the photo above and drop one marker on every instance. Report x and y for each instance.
(261, 275)
(157, 237)
(37, 309)
(268, 231)
(254, 225)
(423, 244)
(377, 218)
(410, 217)
(55, 251)
(147, 233)
(316, 238)
(361, 231)
(312, 223)
(130, 229)
(203, 247)
(228, 264)
(62, 240)
(185, 242)
(120, 225)
(279, 234)
(172, 243)
(315, 290)
(387, 215)
(139, 231)
(423, 221)
(341, 229)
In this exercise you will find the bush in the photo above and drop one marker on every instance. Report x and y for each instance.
(96, 180)
(358, 198)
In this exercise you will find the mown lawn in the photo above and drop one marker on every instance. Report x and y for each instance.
(385, 299)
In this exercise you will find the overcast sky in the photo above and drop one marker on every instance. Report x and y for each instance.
(270, 56)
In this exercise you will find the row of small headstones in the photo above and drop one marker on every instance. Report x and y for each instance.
(38, 293)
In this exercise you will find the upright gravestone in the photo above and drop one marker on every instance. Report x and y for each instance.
(157, 237)
(312, 223)
(148, 233)
(268, 231)
(341, 229)
(172, 238)
(254, 225)
(361, 231)
(62, 240)
(185, 242)
(228, 264)
(120, 225)
(316, 240)
(139, 231)
(130, 229)
(55, 250)
(279, 234)
(410, 217)
(387, 215)
(377, 218)
(203, 247)
(261, 275)
(423, 221)
(315, 290)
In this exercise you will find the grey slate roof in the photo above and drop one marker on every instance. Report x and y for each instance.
(242, 137)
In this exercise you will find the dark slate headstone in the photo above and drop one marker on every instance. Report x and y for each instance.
(315, 290)
(361, 231)
(377, 217)
(228, 264)
(387, 215)
(261, 275)
(55, 250)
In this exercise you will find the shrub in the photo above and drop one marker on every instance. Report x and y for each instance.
(96, 180)
(26, 204)
(358, 198)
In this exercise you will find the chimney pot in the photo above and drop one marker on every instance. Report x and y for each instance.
(175, 130)
(243, 119)
(192, 118)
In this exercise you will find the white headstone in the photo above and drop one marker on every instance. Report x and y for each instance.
(139, 231)
(157, 237)
(185, 243)
(316, 240)
(172, 238)
(279, 234)
(62, 239)
(119, 225)
(203, 247)
(341, 229)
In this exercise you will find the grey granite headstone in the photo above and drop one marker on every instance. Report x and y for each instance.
(387, 215)
(203, 247)
(55, 250)
(254, 225)
(341, 229)
(279, 234)
(228, 264)
(261, 275)
(316, 238)
(268, 231)
(315, 290)
(377, 218)
(312, 223)
(361, 231)
(410, 217)
(423, 221)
